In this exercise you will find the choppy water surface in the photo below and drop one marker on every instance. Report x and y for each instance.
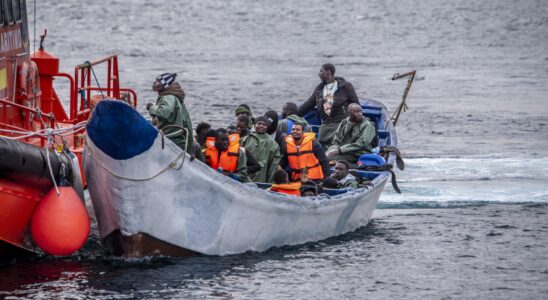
(472, 219)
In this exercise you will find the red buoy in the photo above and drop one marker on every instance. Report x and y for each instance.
(60, 223)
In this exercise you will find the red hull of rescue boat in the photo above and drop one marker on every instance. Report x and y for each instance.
(16, 206)
(29, 107)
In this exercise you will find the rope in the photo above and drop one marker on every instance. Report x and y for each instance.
(176, 126)
(171, 165)
(50, 142)
(386, 167)
(45, 132)
(387, 149)
(95, 76)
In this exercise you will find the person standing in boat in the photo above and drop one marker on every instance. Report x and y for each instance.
(331, 98)
(302, 153)
(169, 114)
(224, 154)
(354, 137)
(264, 149)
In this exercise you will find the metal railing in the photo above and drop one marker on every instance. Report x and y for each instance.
(19, 131)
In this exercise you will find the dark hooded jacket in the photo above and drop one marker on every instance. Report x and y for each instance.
(171, 110)
(344, 95)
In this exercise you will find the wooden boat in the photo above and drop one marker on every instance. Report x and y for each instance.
(36, 132)
(151, 198)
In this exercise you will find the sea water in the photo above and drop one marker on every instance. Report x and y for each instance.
(472, 219)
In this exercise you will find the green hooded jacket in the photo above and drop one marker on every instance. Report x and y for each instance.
(171, 110)
(267, 153)
(353, 140)
(348, 182)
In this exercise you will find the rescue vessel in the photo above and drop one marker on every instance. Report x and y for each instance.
(41, 139)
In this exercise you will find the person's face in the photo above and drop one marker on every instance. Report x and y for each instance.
(157, 86)
(340, 171)
(242, 128)
(324, 74)
(221, 142)
(355, 113)
(297, 132)
(260, 127)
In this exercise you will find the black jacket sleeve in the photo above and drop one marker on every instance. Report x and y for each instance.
(308, 104)
(283, 161)
(319, 152)
(252, 164)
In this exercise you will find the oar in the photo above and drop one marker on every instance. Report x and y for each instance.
(403, 105)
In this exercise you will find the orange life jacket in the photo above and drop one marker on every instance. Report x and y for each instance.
(303, 157)
(293, 188)
(229, 158)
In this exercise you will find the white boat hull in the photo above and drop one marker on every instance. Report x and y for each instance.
(191, 206)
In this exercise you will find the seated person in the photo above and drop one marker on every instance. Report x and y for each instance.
(245, 110)
(353, 138)
(252, 164)
(330, 183)
(201, 132)
(241, 125)
(343, 177)
(301, 151)
(226, 156)
(309, 189)
(289, 117)
(264, 149)
(272, 117)
(282, 185)
(231, 129)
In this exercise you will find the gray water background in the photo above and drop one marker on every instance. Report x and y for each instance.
(471, 222)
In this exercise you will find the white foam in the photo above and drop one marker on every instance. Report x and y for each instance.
(473, 180)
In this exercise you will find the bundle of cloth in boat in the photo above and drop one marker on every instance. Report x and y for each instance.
(169, 113)
(331, 98)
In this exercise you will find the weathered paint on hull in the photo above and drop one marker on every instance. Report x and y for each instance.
(195, 208)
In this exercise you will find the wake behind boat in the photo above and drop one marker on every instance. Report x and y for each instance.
(151, 198)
